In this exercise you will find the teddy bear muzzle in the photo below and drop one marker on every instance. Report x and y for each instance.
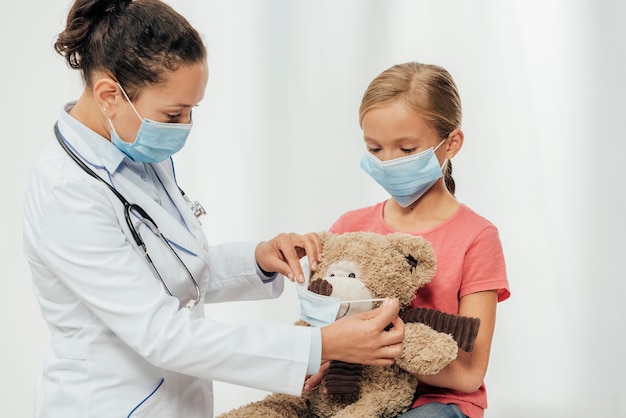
(321, 287)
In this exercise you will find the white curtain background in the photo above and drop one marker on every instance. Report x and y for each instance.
(276, 147)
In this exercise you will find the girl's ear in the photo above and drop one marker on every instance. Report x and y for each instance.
(454, 143)
(105, 92)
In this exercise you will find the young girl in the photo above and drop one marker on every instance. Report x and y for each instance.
(411, 117)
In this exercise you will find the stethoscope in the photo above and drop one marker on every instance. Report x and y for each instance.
(196, 207)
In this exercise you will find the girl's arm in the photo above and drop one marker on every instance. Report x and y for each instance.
(467, 372)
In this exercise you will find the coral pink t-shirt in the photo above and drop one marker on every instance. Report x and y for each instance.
(469, 259)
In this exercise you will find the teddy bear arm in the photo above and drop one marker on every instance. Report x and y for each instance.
(426, 351)
(462, 328)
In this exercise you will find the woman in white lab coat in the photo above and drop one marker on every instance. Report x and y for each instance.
(128, 335)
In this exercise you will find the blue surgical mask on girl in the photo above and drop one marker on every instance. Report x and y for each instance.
(155, 141)
(406, 179)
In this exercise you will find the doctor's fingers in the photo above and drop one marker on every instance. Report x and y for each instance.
(294, 246)
(393, 338)
(386, 315)
(309, 245)
(380, 349)
(387, 334)
(390, 326)
(387, 345)
(385, 356)
(283, 252)
(312, 247)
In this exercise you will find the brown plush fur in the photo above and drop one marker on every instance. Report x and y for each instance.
(394, 265)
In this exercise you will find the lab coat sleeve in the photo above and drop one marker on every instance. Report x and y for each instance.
(235, 276)
(76, 238)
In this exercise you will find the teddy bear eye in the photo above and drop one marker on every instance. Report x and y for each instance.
(413, 262)
(352, 275)
(332, 274)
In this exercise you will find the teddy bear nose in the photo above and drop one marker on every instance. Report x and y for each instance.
(321, 287)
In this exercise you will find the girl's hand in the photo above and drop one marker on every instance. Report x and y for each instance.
(312, 381)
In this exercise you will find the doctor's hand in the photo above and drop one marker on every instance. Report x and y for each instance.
(282, 254)
(362, 338)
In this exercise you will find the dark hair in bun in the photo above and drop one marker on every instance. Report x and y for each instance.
(136, 42)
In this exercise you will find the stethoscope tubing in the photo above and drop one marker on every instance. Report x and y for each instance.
(143, 216)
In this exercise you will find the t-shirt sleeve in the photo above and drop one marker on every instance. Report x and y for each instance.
(338, 227)
(484, 267)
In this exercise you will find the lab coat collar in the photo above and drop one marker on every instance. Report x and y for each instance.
(109, 155)
(101, 154)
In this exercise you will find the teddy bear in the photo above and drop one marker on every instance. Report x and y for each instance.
(365, 266)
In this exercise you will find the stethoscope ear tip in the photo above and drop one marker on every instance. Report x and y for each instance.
(190, 305)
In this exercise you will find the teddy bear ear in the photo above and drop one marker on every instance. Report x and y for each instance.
(413, 262)
(415, 248)
(405, 243)
(324, 236)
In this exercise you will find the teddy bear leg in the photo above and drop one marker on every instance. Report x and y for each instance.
(386, 392)
(276, 405)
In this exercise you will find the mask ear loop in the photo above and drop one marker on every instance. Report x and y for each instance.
(350, 302)
(445, 160)
(347, 310)
(438, 145)
(129, 102)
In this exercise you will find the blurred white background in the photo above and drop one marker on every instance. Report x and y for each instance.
(276, 147)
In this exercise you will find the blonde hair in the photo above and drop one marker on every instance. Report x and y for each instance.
(427, 89)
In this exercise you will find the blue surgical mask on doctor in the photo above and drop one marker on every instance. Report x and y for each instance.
(406, 179)
(155, 141)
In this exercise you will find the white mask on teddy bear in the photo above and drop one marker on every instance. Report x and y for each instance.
(318, 310)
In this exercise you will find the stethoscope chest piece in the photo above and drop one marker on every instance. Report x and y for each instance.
(195, 206)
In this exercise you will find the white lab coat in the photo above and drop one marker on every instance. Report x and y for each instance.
(120, 345)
